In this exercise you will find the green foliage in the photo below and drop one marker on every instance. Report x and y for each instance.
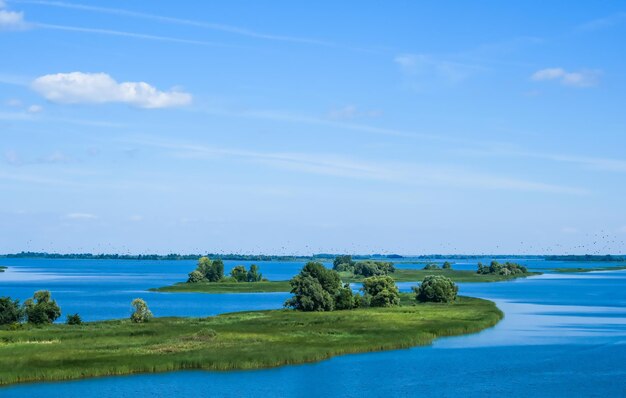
(254, 275)
(345, 299)
(506, 269)
(373, 268)
(74, 319)
(382, 291)
(196, 277)
(41, 309)
(141, 312)
(10, 311)
(431, 267)
(343, 264)
(436, 288)
(447, 265)
(239, 273)
(314, 288)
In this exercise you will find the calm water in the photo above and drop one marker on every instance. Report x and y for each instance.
(563, 335)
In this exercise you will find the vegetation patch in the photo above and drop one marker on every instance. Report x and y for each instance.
(576, 270)
(244, 340)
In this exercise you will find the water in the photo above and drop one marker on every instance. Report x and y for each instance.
(563, 335)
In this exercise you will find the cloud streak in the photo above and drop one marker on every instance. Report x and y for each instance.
(584, 78)
(99, 88)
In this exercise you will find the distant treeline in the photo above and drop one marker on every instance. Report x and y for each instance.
(588, 257)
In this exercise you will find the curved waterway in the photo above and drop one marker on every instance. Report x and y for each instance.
(562, 335)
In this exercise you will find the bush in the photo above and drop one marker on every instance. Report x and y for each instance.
(141, 312)
(497, 268)
(345, 299)
(254, 275)
(314, 288)
(10, 311)
(373, 268)
(431, 267)
(74, 320)
(343, 264)
(239, 273)
(381, 291)
(41, 309)
(436, 288)
(195, 277)
(447, 265)
(212, 271)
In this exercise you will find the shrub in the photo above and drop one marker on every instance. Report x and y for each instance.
(436, 288)
(239, 273)
(141, 312)
(373, 268)
(10, 311)
(343, 264)
(381, 291)
(195, 277)
(41, 309)
(345, 299)
(431, 267)
(212, 271)
(497, 268)
(74, 319)
(254, 275)
(314, 288)
(447, 265)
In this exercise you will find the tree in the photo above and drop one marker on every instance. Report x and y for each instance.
(373, 268)
(436, 288)
(345, 299)
(141, 312)
(447, 265)
(314, 288)
(195, 277)
(212, 271)
(253, 274)
(239, 273)
(41, 309)
(343, 263)
(10, 311)
(74, 319)
(431, 267)
(216, 272)
(382, 291)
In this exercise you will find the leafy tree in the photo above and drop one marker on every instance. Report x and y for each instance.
(314, 288)
(212, 271)
(436, 288)
(345, 299)
(239, 273)
(343, 263)
(41, 308)
(141, 312)
(431, 267)
(253, 274)
(10, 311)
(447, 265)
(74, 319)
(373, 268)
(497, 268)
(218, 270)
(195, 277)
(382, 291)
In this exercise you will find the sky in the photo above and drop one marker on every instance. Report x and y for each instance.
(304, 127)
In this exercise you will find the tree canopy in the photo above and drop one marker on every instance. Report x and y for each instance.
(381, 291)
(207, 270)
(10, 311)
(41, 308)
(314, 288)
(436, 288)
(506, 268)
(141, 312)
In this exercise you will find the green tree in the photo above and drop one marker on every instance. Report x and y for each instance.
(314, 288)
(382, 291)
(195, 277)
(253, 274)
(447, 265)
(141, 312)
(431, 267)
(239, 273)
(10, 311)
(74, 319)
(436, 288)
(41, 309)
(216, 271)
(343, 263)
(345, 299)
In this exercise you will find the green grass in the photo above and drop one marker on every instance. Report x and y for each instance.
(575, 270)
(226, 287)
(401, 275)
(417, 275)
(242, 340)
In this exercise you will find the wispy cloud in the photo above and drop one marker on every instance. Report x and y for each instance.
(423, 68)
(605, 22)
(346, 167)
(98, 88)
(11, 20)
(583, 78)
(81, 216)
(236, 30)
(349, 112)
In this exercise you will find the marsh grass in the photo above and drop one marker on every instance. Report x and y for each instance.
(242, 340)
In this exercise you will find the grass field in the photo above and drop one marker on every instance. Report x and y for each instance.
(243, 340)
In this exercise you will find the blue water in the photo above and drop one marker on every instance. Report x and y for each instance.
(563, 335)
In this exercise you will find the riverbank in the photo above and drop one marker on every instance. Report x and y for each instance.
(242, 340)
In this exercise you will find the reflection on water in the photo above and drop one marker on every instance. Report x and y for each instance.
(562, 335)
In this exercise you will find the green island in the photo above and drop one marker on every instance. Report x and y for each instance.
(243, 340)
(2, 268)
(577, 270)
(209, 275)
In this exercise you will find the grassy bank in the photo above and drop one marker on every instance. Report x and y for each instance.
(226, 287)
(576, 270)
(243, 340)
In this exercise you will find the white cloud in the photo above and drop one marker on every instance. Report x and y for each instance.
(584, 78)
(13, 102)
(34, 109)
(98, 88)
(12, 20)
(81, 216)
(136, 218)
(351, 112)
(426, 68)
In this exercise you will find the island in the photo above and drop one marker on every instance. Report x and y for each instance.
(2, 268)
(205, 279)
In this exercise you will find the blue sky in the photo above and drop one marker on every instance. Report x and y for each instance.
(284, 127)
